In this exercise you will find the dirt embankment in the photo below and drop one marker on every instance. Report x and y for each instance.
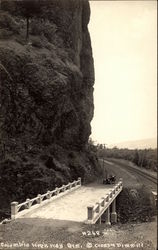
(57, 234)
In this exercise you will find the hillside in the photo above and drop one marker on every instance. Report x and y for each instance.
(137, 144)
(46, 89)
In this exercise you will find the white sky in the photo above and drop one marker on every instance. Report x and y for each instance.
(124, 43)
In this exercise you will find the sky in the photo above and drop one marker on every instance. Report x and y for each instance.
(124, 43)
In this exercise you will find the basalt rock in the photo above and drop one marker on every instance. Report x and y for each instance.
(46, 90)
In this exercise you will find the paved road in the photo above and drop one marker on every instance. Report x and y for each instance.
(129, 173)
(72, 206)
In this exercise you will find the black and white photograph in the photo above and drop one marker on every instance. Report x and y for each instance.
(78, 124)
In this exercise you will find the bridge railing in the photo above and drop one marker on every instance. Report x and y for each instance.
(22, 208)
(95, 211)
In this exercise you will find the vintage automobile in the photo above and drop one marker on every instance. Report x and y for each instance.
(110, 180)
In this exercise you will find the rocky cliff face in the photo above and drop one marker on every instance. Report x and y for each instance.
(46, 90)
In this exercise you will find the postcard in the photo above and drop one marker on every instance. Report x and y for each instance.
(78, 152)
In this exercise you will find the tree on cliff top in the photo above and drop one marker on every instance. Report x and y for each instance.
(29, 9)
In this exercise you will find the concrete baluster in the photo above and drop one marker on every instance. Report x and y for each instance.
(63, 188)
(57, 191)
(14, 209)
(98, 207)
(90, 210)
(154, 196)
(48, 194)
(79, 181)
(103, 202)
(114, 214)
(110, 193)
(121, 180)
(39, 200)
(107, 197)
(28, 203)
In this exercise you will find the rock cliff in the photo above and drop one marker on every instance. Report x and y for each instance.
(46, 90)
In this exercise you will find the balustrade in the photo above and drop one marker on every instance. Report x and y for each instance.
(15, 206)
(94, 213)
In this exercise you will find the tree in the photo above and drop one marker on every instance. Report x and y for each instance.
(136, 157)
(29, 9)
(91, 145)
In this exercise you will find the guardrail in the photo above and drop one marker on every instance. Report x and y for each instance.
(42, 199)
(94, 212)
(154, 194)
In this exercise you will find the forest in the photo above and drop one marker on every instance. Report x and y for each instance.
(143, 158)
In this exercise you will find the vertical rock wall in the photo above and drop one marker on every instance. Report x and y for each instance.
(46, 104)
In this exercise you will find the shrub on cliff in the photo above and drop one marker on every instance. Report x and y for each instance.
(20, 180)
(45, 28)
(8, 23)
(37, 42)
(29, 9)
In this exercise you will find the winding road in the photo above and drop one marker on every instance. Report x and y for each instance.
(132, 175)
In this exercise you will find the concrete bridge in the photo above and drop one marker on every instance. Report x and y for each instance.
(73, 202)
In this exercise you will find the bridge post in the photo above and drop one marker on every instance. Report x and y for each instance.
(107, 214)
(107, 197)
(154, 196)
(57, 191)
(39, 200)
(79, 181)
(14, 209)
(111, 193)
(114, 214)
(48, 194)
(103, 202)
(63, 188)
(90, 212)
(98, 208)
(28, 203)
(120, 180)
